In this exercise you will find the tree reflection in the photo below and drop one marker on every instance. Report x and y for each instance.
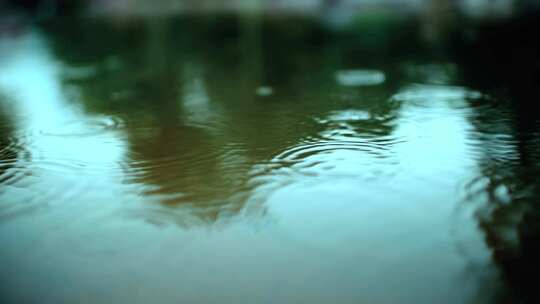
(6, 132)
(186, 89)
(501, 61)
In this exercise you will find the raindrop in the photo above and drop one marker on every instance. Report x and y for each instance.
(264, 91)
(353, 78)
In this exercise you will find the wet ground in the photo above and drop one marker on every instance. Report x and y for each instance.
(241, 159)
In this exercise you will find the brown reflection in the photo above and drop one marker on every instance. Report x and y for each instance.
(188, 90)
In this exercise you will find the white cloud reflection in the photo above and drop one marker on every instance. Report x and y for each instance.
(393, 199)
(69, 151)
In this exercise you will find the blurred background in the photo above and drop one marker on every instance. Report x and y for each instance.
(269, 151)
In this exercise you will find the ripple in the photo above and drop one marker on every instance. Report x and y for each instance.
(72, 167)
(348, 156)
(12, 176)
(7, 153)
(496, 148)
(345, 116)
(308, 149)
(423, 94)
(59, 163)
(202, 173)
(13, 159)
(86, 127)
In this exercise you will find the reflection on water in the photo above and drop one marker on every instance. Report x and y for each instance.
(56, 149)
(159, 168)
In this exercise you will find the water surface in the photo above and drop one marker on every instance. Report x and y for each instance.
(226, 159)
